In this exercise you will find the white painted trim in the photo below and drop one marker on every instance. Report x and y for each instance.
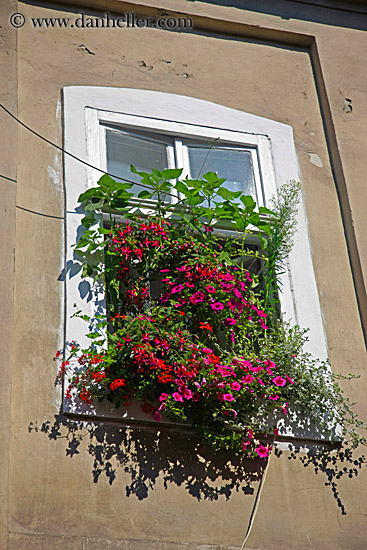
(85, 108)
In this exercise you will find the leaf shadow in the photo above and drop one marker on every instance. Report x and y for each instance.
(147, 455)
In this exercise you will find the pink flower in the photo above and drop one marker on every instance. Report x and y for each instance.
(285, 408)
(162, 407)
(157, 416)
(289, 379)
(274, 397)
(197, 297)
(248, 379)
(163, 396)
(196, 396)
(207, 350)
(229, 321)
(245, 444)
(187, 393)
(177, 288)
(217, 306)
(177, 397)
(210, 288)
(262, 451)
(279, 381)
(261, 313)
(227, 287)
(237, 293)
(250, 433)
(235, 386)
(228, 397)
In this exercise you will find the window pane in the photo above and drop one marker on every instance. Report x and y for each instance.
(233, 164)
(144, 153)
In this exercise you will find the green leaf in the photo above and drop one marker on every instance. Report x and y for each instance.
(263, 241)
(264, 210)
(93, 335)
(171, 174)
(254, 219)
(182, 188)
(195, 199)
(87, 194)
(212, 177)
(145, 194)
(225, 193)
(249, 202)
(89, 220)
(264, 227)
(106, 181)
(196, 184)
(95, 205)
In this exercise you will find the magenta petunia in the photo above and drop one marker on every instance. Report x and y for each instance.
(279, 381)
(262, 451)
(210, 289)
(229, 321)
(177, 288)
(235, 386)
(177, 397)
(197, 297)
(163, 396)
(228, 397)
(157, 416)
(217, 306)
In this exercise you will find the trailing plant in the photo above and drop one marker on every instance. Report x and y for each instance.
(189, 331)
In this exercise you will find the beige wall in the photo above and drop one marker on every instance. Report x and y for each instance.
(8, 172)
(228, 59)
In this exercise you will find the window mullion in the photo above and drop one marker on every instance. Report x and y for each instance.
(257, 177)
(171, 162)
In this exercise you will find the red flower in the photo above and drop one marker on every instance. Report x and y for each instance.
(119, 382)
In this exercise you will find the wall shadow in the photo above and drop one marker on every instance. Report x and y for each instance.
(146, 456)
(332, 463)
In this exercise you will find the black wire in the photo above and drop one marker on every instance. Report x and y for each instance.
(6, 178)
(71, 154)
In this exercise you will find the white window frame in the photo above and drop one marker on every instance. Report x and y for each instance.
(88, 110)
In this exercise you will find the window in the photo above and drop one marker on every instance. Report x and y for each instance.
(123, 147)
(110, 128)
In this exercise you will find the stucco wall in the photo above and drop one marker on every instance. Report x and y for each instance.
(157, 493)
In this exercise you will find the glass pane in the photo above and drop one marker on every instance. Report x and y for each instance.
(233, 164)
(144, 153)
